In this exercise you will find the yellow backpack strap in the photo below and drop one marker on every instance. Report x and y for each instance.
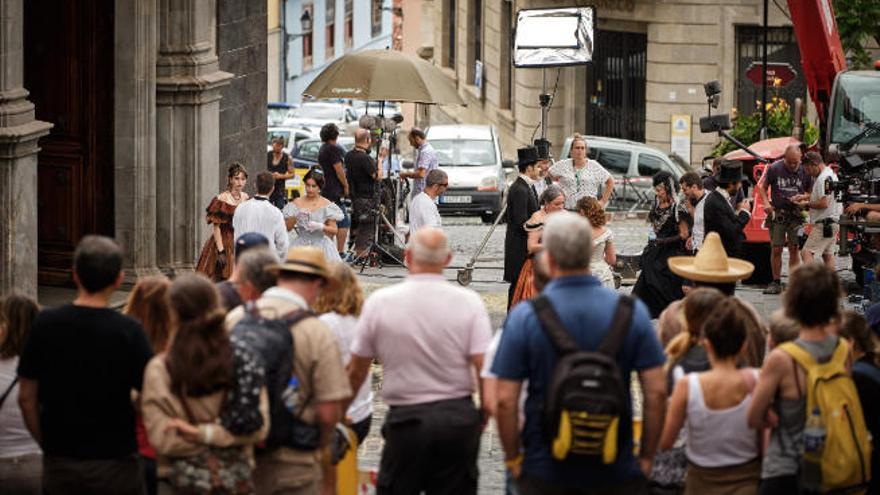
(799, 354)
(841, 353)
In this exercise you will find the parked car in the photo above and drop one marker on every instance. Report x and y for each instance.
(305, 153)
(291, 136)
(471, 157)
(279, 112)
(313, 115)
(632, 164)
(305, 156)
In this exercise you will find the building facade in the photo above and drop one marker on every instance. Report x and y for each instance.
(112, 122)
(650, 63)
(338, 27)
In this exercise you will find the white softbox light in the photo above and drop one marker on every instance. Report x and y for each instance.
(554, 37)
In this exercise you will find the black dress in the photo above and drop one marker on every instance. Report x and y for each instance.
(657, 286)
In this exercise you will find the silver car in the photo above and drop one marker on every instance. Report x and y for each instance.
(633, 165)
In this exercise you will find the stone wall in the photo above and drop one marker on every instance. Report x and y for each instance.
(242, 49)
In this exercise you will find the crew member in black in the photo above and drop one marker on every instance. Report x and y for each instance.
(330, 158)
(363, 174)
(281, 165)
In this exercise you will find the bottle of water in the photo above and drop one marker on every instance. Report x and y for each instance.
(290, 396)
(652, 236)
(814, 444)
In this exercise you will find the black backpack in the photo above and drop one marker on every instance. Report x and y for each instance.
(272, 342)
(586, 398)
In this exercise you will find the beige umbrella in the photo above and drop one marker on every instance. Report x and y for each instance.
(389, 75)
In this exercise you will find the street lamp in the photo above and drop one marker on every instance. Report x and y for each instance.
(305, 22)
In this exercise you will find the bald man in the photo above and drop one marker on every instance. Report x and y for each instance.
(363, 174)
(785, 178)
(430, 336)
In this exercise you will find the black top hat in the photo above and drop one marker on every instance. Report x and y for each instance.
(730, 171)
(527, 156)
(543, 147)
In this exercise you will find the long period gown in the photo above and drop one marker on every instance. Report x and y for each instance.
(219, 213)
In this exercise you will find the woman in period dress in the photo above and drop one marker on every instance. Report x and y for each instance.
(602, 257)
(313, 217)
(552, 200)
(216, 258)
(657, 286)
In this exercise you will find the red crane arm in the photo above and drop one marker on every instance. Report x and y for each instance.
(821, 52)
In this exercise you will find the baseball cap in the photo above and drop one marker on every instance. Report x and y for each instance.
(249, 240)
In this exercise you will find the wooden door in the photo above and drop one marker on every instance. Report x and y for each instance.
(69, 73)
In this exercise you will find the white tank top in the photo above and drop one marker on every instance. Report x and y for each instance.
(721, 437)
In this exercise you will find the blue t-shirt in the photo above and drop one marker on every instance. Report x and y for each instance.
(586, 309)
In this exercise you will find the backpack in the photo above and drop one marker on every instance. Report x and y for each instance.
(273, 344)
(846, 456)
(586, 397)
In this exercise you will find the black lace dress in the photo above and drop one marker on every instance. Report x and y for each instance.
(657, 286)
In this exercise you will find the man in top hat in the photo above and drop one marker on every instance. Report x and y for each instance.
(318, 366)
(718, 214)
(543, 166)
(522, 202)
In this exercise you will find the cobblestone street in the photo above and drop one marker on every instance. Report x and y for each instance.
(466, 234)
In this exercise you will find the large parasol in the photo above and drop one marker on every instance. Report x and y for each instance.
(384, 75)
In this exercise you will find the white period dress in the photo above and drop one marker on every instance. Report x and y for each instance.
(301, 236)
(598, 267)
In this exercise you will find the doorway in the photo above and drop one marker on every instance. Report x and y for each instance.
(68, 70)
(616, 85)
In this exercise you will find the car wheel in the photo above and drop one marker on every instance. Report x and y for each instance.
(757, 254)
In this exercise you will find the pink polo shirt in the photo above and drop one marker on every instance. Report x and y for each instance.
(424, 331)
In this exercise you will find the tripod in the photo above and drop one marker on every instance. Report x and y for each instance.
(374, 252)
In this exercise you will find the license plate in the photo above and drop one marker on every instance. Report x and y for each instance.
(455, 199)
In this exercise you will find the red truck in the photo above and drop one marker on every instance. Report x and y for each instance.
(848, 105)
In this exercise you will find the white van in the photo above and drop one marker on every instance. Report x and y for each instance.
(471, 157)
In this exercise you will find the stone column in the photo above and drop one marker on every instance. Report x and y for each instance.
(19, 132)
(136, 49)
(187, 129)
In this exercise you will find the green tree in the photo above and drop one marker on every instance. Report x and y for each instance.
(857, 21)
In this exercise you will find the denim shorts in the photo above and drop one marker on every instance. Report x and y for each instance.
(345, 223)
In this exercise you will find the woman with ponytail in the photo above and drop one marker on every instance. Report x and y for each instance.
(190, 389)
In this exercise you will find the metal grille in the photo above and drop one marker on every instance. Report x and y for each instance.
(616, 85)
(781, 47)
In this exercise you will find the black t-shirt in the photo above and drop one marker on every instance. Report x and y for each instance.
(329, 155)
(281, 168)
(87, 361)
(360, 169)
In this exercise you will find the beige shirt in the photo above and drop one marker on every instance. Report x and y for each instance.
(159, 406)
(316, 363)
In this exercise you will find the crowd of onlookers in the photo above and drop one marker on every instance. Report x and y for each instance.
(257, 378)
(169, 395)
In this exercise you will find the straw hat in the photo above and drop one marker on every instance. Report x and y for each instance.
(711, 264)
(304, 259)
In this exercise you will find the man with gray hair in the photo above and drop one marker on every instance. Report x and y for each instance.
(586, 311)
(430, 353)
(253, 278)
(423, 212)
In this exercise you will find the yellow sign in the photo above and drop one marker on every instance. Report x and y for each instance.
(680, 142)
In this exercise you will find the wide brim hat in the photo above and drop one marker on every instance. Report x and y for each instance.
(730, 171)
(711, 264)
(304, 259)
(527, 156)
